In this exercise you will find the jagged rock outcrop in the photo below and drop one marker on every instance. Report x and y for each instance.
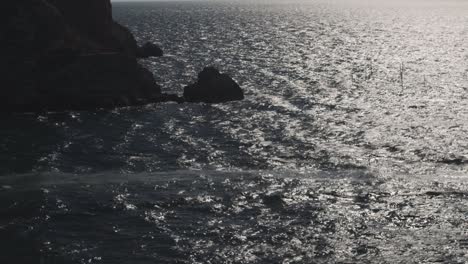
(213, 87)
(89, 19)
(68, 54)
(125, 39)
(99, 87)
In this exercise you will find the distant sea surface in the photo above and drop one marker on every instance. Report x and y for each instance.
(350, 147)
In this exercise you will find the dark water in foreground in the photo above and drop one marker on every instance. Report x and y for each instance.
(351, 147)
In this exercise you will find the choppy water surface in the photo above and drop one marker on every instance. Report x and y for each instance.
(352, 144)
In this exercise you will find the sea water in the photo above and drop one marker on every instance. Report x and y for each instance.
(350, 147)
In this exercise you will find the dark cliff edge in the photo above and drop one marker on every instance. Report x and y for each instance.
(71, 55)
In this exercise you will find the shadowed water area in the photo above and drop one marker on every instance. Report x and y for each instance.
(350, 147)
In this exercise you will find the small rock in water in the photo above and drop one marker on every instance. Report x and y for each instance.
(150, 50)
(213, 87)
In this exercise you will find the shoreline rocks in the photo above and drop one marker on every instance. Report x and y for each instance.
(71, 55)
(67, 55)
(149, 50)
(96, 80)
(213, 87)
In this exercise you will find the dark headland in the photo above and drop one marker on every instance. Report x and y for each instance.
(72, 55)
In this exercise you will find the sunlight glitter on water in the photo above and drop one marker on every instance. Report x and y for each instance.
(351, 144)
(248, 217)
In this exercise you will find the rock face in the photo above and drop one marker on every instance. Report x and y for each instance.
(98, 87)
(149, 50)
(91, 20)
(125, 40)
(213, 87)
(68, 54)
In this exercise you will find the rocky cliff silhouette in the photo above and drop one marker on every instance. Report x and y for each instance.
(71, 54)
